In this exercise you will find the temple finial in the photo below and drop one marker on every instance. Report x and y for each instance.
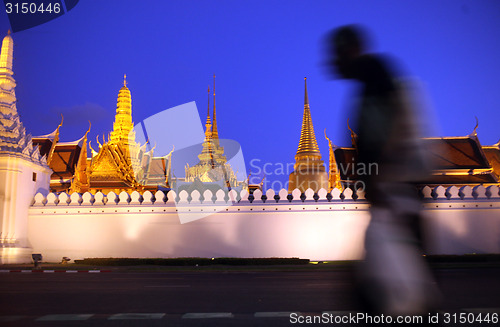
(62, 120)
(8, 32)
(88, 130)
(354, 136)
(215, 132)
(208, 123)
(208, 109)
(474, 132)
(124, 79)
(306, 98)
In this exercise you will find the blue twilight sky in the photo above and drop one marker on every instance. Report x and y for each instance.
(260, 52)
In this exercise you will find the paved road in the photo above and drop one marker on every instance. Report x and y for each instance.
(204, 298)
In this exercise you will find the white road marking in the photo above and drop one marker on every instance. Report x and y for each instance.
(207, 315)
(94, 271)
(173, 286)
(71, 271)
(132, 316)
(65, 317)
(48, 271)
(324, 284)
(275, 314)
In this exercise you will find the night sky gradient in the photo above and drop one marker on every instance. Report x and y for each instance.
(260, 52)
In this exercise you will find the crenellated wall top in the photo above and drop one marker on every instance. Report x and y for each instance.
(428, 194)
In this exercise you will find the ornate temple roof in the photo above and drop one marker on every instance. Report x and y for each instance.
(456, 160)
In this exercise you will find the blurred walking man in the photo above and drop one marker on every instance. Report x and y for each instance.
(395, 279)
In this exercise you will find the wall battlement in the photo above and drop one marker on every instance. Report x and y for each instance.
(233, 197)
(318, 226)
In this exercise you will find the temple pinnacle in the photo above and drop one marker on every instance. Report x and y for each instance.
(125, 80)
(306, 98)
(7, 55)
(215, 132)
(208, 109)
(308, 146)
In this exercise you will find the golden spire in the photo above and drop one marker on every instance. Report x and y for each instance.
(123, 125)
(308, 146)
(354, 136)
(208, 123)
(215, 132)
(6, 55)
(206, 154)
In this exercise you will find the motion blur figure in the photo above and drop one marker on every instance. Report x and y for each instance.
(394, 279)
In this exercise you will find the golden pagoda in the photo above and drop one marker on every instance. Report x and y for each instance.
(213, 166)
(309, 170)
(118, 164)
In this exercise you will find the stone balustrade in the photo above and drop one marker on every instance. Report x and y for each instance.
(258, 197)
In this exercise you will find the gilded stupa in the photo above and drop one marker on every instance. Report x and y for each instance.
(309, 170)
(213, 166)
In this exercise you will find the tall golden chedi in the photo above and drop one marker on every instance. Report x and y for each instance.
(309, 170)
(118, 164)
(213, 166)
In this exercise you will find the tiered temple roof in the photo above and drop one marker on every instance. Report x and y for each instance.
(459, 161)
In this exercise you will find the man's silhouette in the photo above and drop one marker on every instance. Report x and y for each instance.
(394, 278)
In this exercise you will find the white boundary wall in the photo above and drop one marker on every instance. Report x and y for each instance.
(458, 222)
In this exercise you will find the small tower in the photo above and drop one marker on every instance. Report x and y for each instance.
(23, 171)
(309, 170)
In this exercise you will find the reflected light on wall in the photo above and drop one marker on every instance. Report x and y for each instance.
(133, 226)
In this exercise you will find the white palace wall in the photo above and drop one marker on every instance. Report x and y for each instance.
(458, 222)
